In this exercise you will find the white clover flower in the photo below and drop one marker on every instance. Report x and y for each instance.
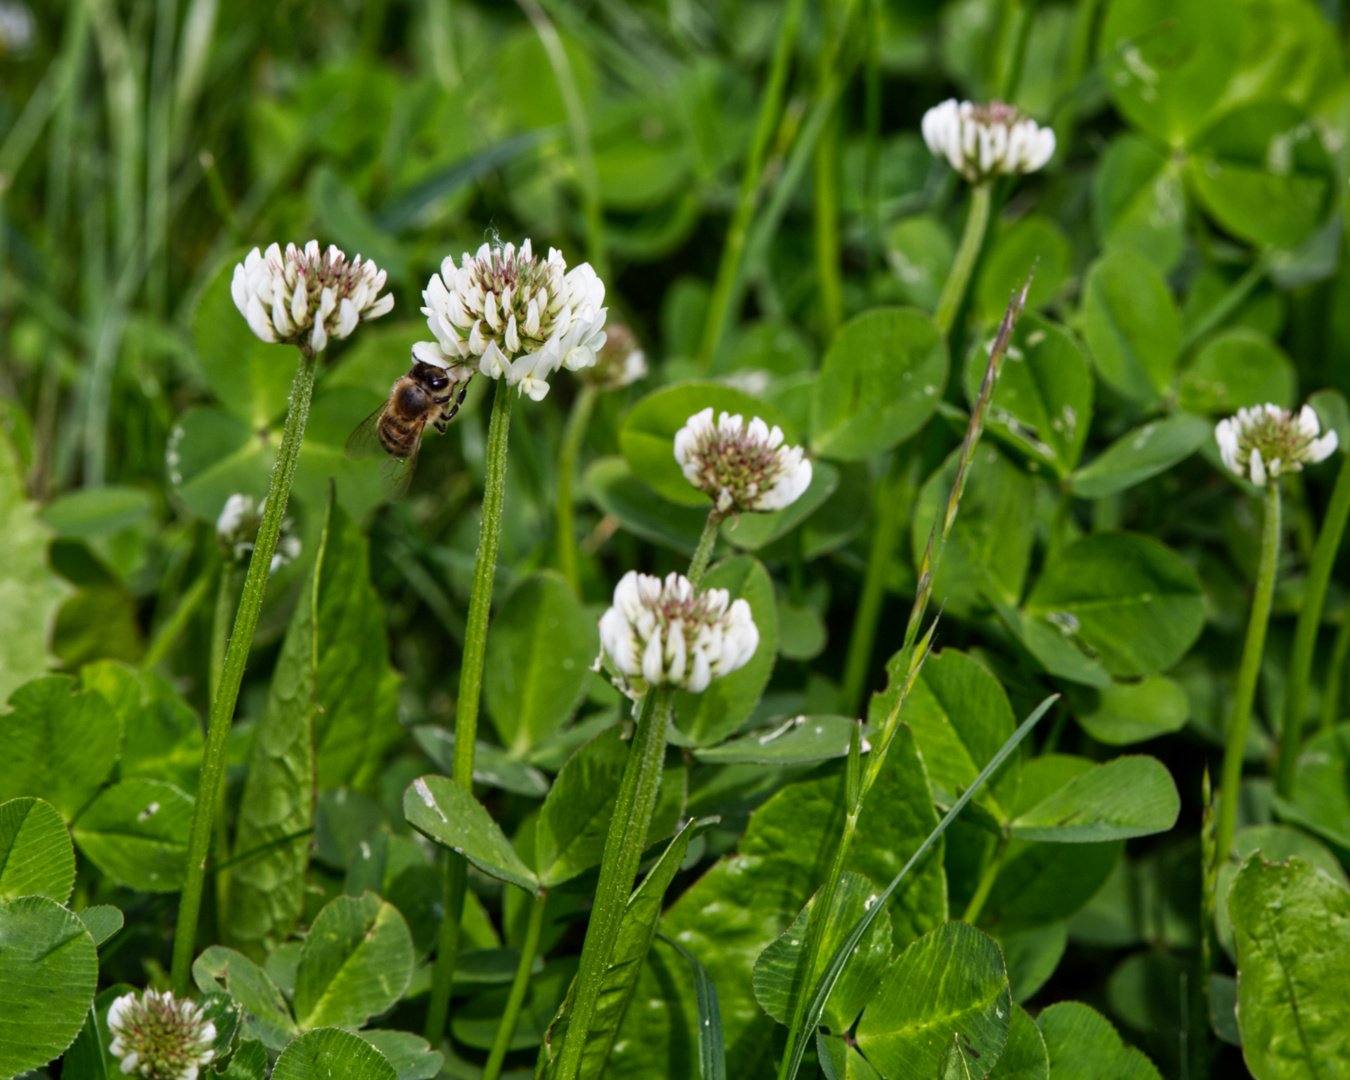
(237, 529)
(665, 634)
(18, 29)
(984, 141)
(743, 467)
(621, 362)
(1268, 441)
(520, 317)
(159, 1036)
(301, 297)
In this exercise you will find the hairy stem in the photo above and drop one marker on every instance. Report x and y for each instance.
(729, 265)
(470, 689)
(698, 565)
(1305, 636)
(958, 280)
(1245, 691)
(623, 852)
(506, 1030)
(232, 673)
(569, 558)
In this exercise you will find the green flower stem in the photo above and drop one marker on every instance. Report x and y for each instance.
(623, 852)
(986, 883)
(729, 265)
(569, 561)
(1246, 682)
(891, 503)
(1331, 692)
(220, 624)
(1305, 636)
(232, 674)
(825, 207)
(172, 630)
(698, 565)
(1227, 304)
(972, 239)
(470, 689)
(511, 1014)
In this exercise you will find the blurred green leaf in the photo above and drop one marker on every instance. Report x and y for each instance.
(36, 857)
(1132, 601)
(162, 737)
(48, 974)
(881, 379)
(32, 593)
(1263, 173)
(137, 833)
(920, 251)
(1166, 63)
(492, 765)
(1138, 201)
(794, 741)
(1031, 243)
(1236, 368)
(1024, 1057)
(60, 744)
(1321, 802)
(1140, 454)
(92, 512)
(1125, 713)
(1043, 400)
(1131, 325)
(410, 1055)
(539, 652)
(615, 489)
(1032, 957)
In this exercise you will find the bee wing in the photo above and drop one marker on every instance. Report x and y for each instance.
(365, 440)
(397, 472)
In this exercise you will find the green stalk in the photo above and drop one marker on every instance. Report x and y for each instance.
(618, 867)
(232, 675)
(574, 434)
(516, 998)
(891, 503)
(466, 708)
(1331, 693)
(1228, 303)
(582, 149)
(159, 128)
(1305, 635)
(172, 630)
(1247, 676)
(1013, 78)
(825, 209)
(220, 624)
(728, 267)
(958, 280)
(986, 883)
(698, 565)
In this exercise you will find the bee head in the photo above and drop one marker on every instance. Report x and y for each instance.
(430, 376)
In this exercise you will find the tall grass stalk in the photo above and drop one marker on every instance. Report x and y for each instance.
(466, 706)
(915, 650)
(236, 657)
(1305, 635)
(1245, 691)
(771, 105)
(506, 1028)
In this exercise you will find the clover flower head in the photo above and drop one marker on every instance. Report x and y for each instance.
(984, 141)
(519, 317)
(620, 361)
(302, 296)
(18, 29)
(237, 530)
(159, 1036)
(742, 466)
(664, 633)
(1268, 441)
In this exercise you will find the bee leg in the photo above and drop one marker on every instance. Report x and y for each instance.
(441, 400)
(440, 426)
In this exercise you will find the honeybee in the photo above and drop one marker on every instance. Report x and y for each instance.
(423, 396)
